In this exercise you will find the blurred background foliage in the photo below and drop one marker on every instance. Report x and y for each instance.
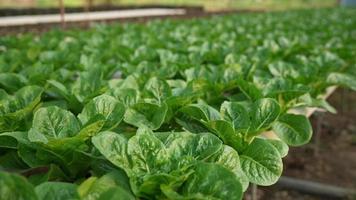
(207, 4)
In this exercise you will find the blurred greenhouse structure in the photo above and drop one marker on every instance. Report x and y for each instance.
(208, 4)
(348, 2)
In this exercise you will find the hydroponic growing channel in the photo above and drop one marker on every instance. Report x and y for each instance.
(171, 109)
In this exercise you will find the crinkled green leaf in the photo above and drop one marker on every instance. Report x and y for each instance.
(88, 84)
(61, 90)
(280, 146)
(191, 117)
(295, 130)
(116, 193)
(237, 114)
(227, 134)
(108, 107)
(92, 127)
(261, 162)
(146, 115)
(284, 90)
(54, 173)
(114, 147)
(309, 101)
(157, 88)
(229, 158)
(249, 90)
(10, 160)
(201, 112)
(264, 112)
(12, 82)
(147, 153)
(16, 108)
(345, 80)
(15, 187)
(57, 191)
(127, 96)
(52, 123)
(207, 183)
(198, 146)
(113, 183)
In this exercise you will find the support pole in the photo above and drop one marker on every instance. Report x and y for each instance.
(254, 192)
(344, 102)
(109, 2)
(318, 131)
(87, 9)
(62, 13)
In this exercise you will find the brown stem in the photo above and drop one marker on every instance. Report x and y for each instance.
(34, 171)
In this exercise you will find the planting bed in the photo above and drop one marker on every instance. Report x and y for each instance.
(332, 161)
(169, 109)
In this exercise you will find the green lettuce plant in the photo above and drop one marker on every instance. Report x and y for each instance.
(165, 110)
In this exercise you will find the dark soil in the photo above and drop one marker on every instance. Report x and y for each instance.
(331, 162)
